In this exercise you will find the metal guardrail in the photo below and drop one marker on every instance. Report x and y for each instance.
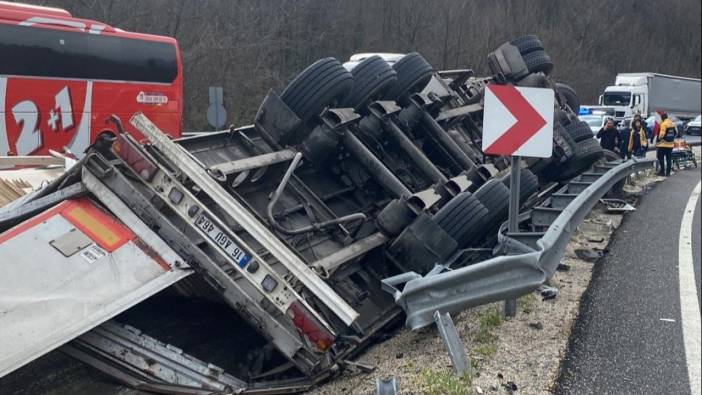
(508, 276)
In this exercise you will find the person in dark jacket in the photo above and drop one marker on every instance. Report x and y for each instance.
(623, 141)
(609, 136)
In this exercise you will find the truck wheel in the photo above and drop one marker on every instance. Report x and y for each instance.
(587, 152)
(563, 144)
(528, 184)
(527, 44)
(371, 78)
(561, 117)
(463, 218)
(538, 61)
(413, 74)
(610, 156)
(494, 195)
(571, 98)
(534, 80)
(321, 84)
(579, 131)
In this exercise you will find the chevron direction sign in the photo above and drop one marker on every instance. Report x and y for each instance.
(518, 121)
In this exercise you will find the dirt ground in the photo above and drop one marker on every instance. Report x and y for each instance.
(521, 354)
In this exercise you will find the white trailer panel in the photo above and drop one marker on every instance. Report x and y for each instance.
(66, 271)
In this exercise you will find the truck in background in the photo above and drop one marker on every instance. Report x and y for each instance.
(61, 78)
(646, 93)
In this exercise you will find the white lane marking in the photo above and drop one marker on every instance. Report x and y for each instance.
(689, 305)
(667, 319)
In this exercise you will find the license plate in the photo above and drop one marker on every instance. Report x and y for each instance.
(222, 240)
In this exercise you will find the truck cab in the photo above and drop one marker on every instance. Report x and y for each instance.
(628, 96)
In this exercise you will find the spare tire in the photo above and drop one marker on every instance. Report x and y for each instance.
(527, 44)
(371, 78)
(413, 74)
(528, 183)
(579, 131)
(494, 195)
(321, 84)
(571, 98)
(463, 218)
(538, 61)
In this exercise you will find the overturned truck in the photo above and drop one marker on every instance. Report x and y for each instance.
(346, 178)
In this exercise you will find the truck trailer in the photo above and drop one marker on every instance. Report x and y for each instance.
(646, 93)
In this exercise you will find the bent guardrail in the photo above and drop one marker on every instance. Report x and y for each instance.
(506, 276)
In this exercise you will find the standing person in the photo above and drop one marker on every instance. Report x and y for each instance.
(637, 143)
(608, 135)
(665, 142)
(623, 139)
(656, 126)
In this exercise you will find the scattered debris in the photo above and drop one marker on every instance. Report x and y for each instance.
(562, 267)
(617, 205)
(357, 367)
(510, 386)
(547, 292)
(589, 255)
(595, 239)
(536, 325)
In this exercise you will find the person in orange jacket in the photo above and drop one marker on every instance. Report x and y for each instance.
(637, 142)
(664, 145)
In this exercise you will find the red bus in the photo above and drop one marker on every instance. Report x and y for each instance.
(62, 77)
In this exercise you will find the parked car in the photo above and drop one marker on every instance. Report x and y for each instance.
(694, 127)
(596, 122)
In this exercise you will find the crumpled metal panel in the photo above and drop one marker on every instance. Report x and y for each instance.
(507, 276)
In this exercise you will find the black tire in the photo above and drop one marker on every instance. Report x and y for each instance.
(371, 78)
(527, 44)
(587, 153)
(494, 195)
(528, 184)
(321, 84)
(570, 96)
(538, 61)
(413, 74)
(462, 218)
(534, 80)
(563, 145)
(579, 131)
(561, 117)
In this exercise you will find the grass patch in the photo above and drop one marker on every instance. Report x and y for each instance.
(491, 318)
(445, 383)
(486, 350)
(527, 303)
(486, 337)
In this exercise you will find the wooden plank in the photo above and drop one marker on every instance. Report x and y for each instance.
(31, 161)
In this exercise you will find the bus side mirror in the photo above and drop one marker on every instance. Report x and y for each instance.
(600, 100)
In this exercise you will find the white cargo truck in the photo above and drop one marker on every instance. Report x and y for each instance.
(648, 92)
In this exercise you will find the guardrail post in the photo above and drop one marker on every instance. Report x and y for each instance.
(510, 309)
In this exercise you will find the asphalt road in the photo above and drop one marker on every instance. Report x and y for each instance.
(628, 338)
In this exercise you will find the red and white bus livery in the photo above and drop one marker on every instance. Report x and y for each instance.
(62, 77)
